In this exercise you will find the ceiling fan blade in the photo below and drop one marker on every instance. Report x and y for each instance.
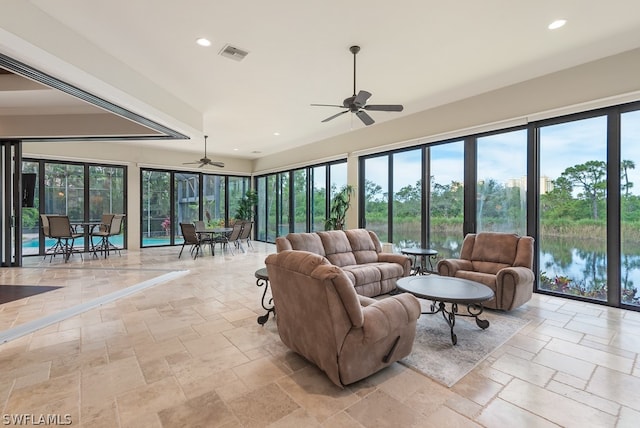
(218, 164)
(190, 163)
(365, 118)
(361, 99)
(384, 107)
(326, 105)
(335, 115)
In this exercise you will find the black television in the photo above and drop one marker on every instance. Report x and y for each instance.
(28, 190)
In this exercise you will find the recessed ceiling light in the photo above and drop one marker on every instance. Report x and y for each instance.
(276, 133)
(203, 42)
(557, 24)
(235, 150)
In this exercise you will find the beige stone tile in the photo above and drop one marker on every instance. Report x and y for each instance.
(584, 397)
(189, 370)
(148, 400)
(628, 418)
(313, 390)
(500, 413)
(204, 345)
(37, 396)
(258, 373)
(53, 338)
(477, 388)
(523, 369)
(206, 410)
(615, 386)
(570, 380)
(262, 406)
(554, 407)
(380, 409)
(102, 383)
(559, 332)
(565, 364)
(463, 406)
(246, 338)
(591, 355)
(341, 420)
(103, 330)
(300, 418)
(447, 417)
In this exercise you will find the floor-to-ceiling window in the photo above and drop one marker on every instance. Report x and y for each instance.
(81, 191)
(213, 198)
(155, 208)
(173, 197)
(297, 200)
(446, 198)
(501, 192)
(630, 208)
(406, 221)
(573, 208)
(318, 197)
(376, 196)
(300, 195)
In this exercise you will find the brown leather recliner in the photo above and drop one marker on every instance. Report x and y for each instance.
(501, 261)
(321, 317)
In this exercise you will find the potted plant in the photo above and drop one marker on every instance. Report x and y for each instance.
(340, 204)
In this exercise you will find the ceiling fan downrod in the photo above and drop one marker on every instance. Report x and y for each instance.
(354, 50)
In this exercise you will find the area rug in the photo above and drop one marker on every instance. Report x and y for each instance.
(9, 293)
(436, 357)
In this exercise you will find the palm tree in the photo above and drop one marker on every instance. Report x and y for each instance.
(626, 165)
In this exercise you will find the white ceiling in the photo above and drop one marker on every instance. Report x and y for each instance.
(419, 53)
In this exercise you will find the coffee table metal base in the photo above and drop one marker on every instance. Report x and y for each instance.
(473, 310)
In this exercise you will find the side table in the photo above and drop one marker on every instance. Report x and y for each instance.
(262, 278)
(425, 254)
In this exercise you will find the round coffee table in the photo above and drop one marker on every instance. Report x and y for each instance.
(444, 289)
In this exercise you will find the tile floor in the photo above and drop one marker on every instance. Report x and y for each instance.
(189, 353)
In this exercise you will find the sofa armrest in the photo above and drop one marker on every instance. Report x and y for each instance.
(401, 259)
(516, 275)
(383, 316)
(449, 267)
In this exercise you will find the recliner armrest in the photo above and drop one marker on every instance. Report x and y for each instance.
(449, 267)
(381, 317)
(521, 275)
(401, 259)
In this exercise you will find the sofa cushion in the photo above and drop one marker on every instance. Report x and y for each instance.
(495, 247)
(363, 246)
(306, 242)
(337, 248)
(488, 267)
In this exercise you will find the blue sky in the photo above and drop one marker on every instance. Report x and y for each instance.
(503, 156)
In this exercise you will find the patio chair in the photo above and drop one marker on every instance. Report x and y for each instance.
(60, 229)
(206, 238)
(245, 235)
(190, 238)
(110, 227)
(47, 234)
(232, 237)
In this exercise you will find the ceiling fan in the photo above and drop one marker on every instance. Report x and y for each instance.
(357, 103)
(205, 160)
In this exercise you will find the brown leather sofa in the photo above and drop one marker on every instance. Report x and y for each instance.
(501, 261)
(358, 252)
(321, 317)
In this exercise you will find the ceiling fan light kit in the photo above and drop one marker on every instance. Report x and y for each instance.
(357, 103)
(205, 160)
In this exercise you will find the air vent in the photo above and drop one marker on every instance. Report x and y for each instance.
(233, 53)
